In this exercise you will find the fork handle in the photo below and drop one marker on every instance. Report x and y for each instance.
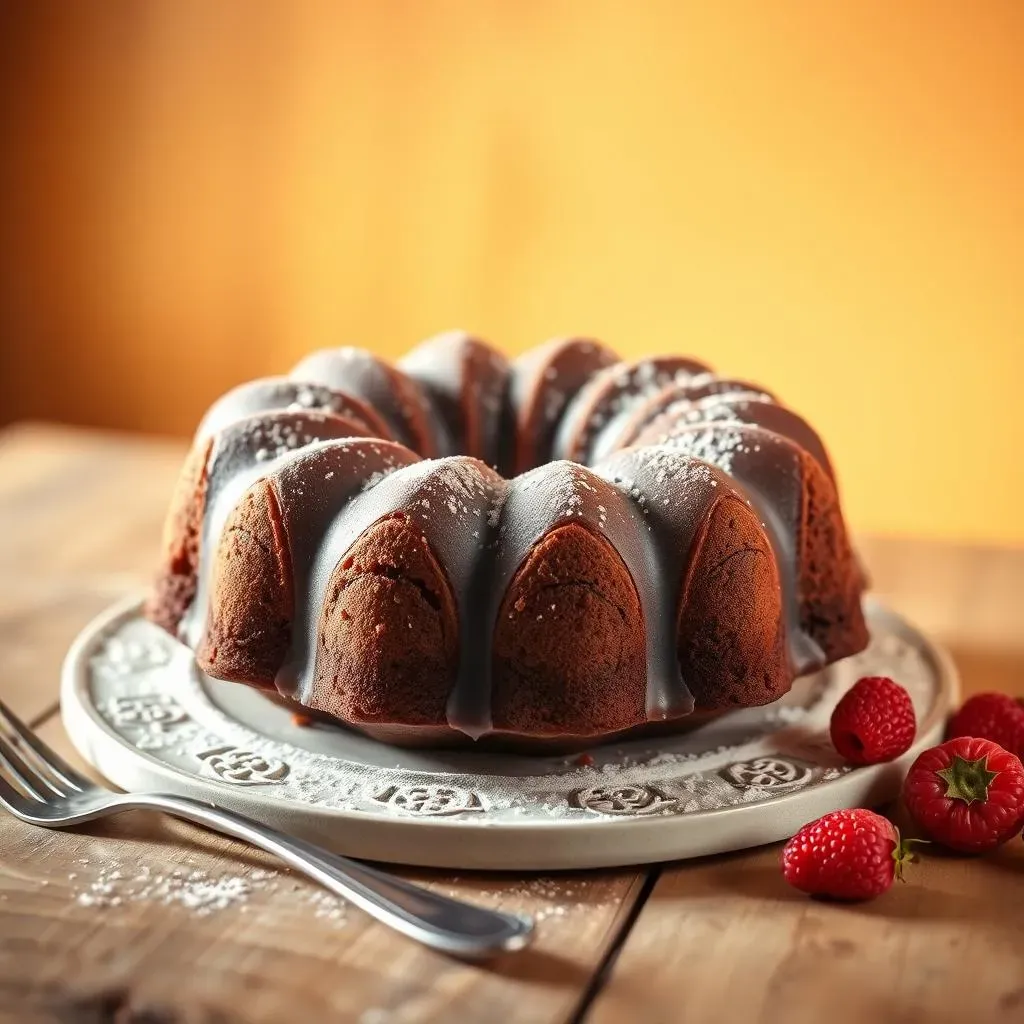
(440, 922)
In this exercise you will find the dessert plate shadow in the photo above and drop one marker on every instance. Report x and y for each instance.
(138, 709)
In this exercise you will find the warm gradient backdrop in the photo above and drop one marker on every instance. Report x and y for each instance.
(826, 196)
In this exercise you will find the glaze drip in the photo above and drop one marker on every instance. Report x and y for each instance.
(241, 454)
(769, 471)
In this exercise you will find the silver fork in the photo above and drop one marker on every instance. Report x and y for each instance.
(47, 791)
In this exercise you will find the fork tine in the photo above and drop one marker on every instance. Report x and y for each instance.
(11, 798)
(55, 764)
(21, 773)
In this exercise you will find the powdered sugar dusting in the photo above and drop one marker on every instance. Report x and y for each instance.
(546, 897)
(193, 889)
(718, 443)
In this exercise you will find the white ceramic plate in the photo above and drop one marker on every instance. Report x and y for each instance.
(139, 710)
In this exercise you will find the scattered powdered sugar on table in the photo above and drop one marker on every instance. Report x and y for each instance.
(203, 893)
(558, 898)
(194, 889)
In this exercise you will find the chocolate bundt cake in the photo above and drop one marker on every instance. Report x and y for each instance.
(547, 552)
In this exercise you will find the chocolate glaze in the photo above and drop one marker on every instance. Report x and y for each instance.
(400, 401)
(272, 393)
(466, 380)
(542, 382)
(603, 405)
(738, 408)
(681, 394)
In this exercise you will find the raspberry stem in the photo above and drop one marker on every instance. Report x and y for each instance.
(967, 780)
(903, 853)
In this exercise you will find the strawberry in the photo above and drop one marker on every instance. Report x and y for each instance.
(992, 716)
(873, 722)
(849, 855)
(968, 793)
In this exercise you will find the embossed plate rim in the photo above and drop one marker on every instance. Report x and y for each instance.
(470, 841)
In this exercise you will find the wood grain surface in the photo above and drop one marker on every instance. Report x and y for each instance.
(710, 940)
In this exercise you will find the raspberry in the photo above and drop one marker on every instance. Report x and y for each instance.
(991, 716)
(967, 793)
(874, 721)
(848, 855)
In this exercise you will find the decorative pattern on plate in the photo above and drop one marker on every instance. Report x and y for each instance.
(154, 711)
(623, 800)
(429, 801)
(244, 767)
(153, 717)
(767, 773)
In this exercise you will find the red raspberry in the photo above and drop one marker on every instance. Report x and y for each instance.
(874, 721)
(849, 855)
(967, 793)
(991, 716)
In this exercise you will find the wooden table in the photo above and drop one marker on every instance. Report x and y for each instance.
(710, 940)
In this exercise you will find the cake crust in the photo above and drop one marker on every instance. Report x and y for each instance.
(174, 589)
(567, 647)
(388, 635)
(731, 633)
(252, 603)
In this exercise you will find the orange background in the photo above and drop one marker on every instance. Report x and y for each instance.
(827, 197)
